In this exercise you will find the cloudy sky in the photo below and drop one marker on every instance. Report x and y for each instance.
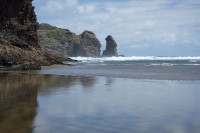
(140, 27)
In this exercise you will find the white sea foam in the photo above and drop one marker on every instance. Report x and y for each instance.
(161, 64)
(171, 64)
(137, 58)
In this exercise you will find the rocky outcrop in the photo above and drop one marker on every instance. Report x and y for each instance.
(65, 42)
(18, 36)
(18, 23)
(111, 47)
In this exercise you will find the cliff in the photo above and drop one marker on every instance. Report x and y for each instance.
(111, 47)
(65, 42)
(18, 37)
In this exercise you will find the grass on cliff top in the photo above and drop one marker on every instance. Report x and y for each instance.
(57, 34)
(54, 37)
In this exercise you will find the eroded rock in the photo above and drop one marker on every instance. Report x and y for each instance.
(111, 47)
(65, 42)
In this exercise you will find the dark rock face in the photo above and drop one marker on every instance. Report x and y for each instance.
(18, 23)
(86, 44)
(65, 42)
(18, 37)
(111, 47)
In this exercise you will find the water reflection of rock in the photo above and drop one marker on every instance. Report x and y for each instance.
(18, 102)
(18, 97)
(88, 82)
(109, 81)
(57, 81)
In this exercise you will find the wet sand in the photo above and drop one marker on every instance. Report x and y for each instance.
(76, 104)
(131, 72)
(96, 99)
(55, 66)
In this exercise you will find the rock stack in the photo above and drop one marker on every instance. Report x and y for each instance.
(111, 47)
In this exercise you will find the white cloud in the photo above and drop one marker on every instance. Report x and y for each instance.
(141, 23)
(52, 7)
(86, 9)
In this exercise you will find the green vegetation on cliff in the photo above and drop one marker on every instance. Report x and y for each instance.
(65, 42)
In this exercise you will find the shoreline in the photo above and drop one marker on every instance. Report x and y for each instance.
(149, 73)
(39, 72)
(33, 66)
(54, 66)
(90, 76)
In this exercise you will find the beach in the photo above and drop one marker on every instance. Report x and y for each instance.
(56, 103)
(155, 68)
(101, 66)
(55, 100)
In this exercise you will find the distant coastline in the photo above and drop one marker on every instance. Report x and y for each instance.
(66, 43)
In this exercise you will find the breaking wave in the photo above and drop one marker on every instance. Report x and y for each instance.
(138, 58)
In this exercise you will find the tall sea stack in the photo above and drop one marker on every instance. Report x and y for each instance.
(111, 47)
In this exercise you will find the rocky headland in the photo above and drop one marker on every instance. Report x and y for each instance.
(64, 42)
(19, 48)
(111, 47)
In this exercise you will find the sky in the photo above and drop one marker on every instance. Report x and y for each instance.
(140, 27)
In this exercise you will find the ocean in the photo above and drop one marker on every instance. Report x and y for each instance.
(135, 67)
(104, 95)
